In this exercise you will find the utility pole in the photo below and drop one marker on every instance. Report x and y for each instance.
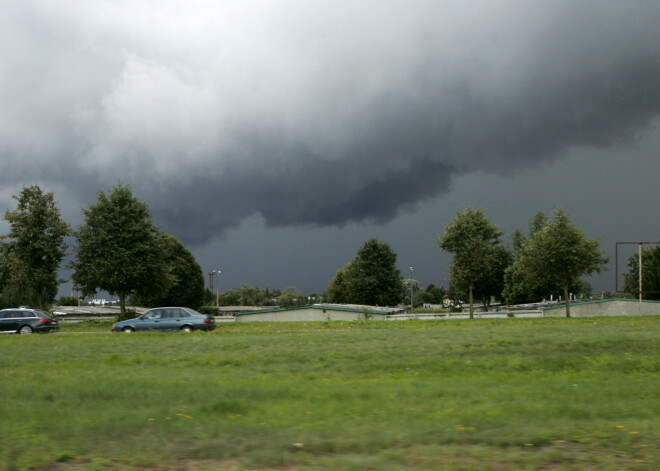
(217, 288)
(412, 290)
(214, 285)
(640, 273)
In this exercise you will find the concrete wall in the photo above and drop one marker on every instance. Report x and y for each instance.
(307, 314)
(590, 309)
(462, 315)
(613, 307)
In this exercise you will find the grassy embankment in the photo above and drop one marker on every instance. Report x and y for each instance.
(510, 394)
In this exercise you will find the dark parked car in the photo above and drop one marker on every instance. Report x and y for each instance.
(26, 321)
(167, 318)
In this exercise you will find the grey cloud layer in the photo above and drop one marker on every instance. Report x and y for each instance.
(311, 112)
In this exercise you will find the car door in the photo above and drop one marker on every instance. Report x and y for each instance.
(7, 322)
(171, 319)
(13, 320)
(150, 320)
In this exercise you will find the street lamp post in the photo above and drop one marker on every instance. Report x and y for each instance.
(214, 285)
(217, 288)
(211, 284)
(412, 288)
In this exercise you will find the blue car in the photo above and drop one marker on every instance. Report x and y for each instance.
(167, 318)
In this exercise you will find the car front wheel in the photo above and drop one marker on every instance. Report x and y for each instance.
(26, 329)
(128, 330)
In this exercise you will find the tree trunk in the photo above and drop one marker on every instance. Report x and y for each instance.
(122, 303)
(568, 301)
(471, 302)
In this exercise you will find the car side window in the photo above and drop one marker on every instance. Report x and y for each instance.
(181, 313)
(153, 315)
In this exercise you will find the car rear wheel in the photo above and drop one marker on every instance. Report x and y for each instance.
(26, 329)
(128, 330)
(186, 328)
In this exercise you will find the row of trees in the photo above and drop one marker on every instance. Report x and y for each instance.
(118, 250)
(550, 260)
(247, 295)
(547, 261)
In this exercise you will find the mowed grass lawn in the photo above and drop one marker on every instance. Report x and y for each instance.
(509, 394)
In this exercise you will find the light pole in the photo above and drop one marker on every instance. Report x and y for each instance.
(412, 288)
(215, 286)
(211, 284)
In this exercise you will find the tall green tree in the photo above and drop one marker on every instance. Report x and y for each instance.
(186, 279)
(650, 273)
(472, 239)
(338, 290)
(119, 248)
(519, 287)
(559, 253)
(538, 222)
(491, 284)
(371, 278)
(33, 250)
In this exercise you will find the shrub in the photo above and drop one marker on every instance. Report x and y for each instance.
(68, 301)
(214, 310)
(129, 314)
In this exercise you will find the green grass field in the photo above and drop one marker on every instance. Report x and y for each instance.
(509, 394)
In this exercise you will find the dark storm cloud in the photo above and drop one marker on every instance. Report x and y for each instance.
(310, 113)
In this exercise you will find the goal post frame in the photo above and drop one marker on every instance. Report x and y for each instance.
(616, 274)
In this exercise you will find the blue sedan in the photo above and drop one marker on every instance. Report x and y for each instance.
(167, 318)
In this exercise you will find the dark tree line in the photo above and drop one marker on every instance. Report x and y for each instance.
(121, 251)
(247, 295)
(118, 250)
(372, 278)
(549, 261)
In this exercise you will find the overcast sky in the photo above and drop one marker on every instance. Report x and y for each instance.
(275, 137)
